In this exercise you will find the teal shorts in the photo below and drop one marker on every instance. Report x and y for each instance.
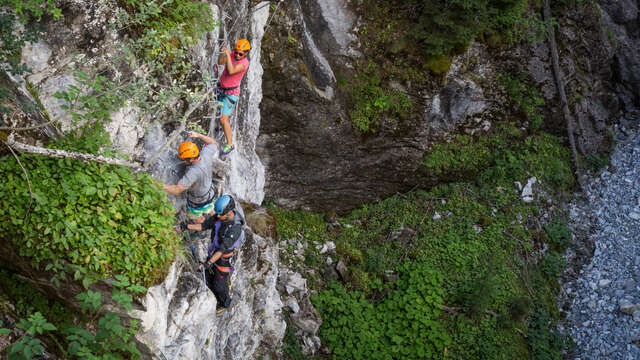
(198, 212)
(228, 102)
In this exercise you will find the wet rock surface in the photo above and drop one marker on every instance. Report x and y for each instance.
(602, 301)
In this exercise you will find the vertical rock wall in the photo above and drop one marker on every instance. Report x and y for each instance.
(178, 319)
(246, 178)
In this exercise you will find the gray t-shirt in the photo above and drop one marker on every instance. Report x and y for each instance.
(197, 178)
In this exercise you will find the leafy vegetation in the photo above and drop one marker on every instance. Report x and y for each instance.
(468, 277)
(598, 161)
(291, 347)
(558, 233)
(27, 300)
(166, 30)
(12, 40)
(526, 98)
(404, 325)
(112, 338)
(441, 27)
(372, 101)
(544, 344)
(506, 155)
(99, 219)
(406, 41)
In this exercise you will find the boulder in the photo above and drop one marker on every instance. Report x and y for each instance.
(341, 268)
(627, 306)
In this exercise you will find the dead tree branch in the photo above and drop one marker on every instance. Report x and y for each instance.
(560, 86)
(69, 154)
(176, 132)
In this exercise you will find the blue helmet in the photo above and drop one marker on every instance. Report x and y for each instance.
(224, 204)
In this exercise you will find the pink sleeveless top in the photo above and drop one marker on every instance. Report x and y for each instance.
(228, 81)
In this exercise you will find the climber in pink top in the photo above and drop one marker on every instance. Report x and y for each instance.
(236, 65)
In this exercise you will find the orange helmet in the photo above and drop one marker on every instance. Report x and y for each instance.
(243, 45)
(188, 150)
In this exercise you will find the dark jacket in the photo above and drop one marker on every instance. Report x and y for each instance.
(224, 238)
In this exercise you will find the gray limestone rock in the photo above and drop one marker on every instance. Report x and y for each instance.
(455, 102)
(294, 282)
(527, 191)
(341, 268)
(330, 273)
(627, 306)
(621, 11)
(293, 305)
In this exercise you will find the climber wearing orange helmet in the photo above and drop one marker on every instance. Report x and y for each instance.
(235, 66)
(197, 180)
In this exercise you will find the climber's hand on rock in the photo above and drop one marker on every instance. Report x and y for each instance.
(200, 267)
(193, 134)
(225, 50)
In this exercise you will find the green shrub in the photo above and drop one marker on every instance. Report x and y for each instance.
(372, 100)
(477, 292)
(505, 156)
(111, 338)
(598, 161)
(526, 98)
(405, 325)
(552, 264)
(544, 343)
(439, 65)
(27, 299)
(100, 218)
(291, 223)
(441, 27)
(12, 38)
(167, 29)
(463, 157)
(291, 347)
(559, 234)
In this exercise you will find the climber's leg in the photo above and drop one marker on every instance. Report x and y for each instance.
(221, 288)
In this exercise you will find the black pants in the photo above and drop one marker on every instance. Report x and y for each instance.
(217, 282)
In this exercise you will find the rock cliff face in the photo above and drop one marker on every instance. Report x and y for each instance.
(178, 319)
(314, 157)
(316, 160)
(296, 118)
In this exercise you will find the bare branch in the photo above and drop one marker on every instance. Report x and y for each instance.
(560, 86)
(26, 175)
(70, 154)
(176, 132)
(34, 127)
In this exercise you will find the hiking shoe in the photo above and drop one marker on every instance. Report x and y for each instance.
(227, 149)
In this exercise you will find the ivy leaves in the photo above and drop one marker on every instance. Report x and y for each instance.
(27, 347)
(405, 325)
(113, 338)
(99, 218)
